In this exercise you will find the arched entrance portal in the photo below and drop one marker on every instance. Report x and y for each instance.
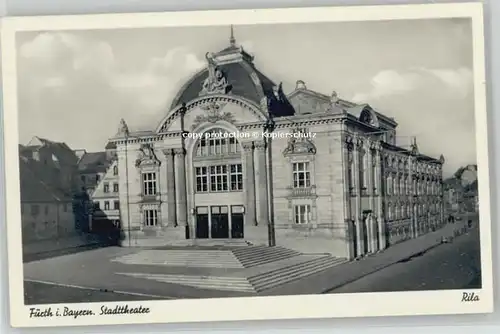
(218, 186)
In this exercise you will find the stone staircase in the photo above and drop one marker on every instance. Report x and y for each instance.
(255, 279)
(228, 283)
(258, 255)
(289, 273)
(190, 258)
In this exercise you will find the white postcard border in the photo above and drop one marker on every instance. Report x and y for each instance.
(251, 308)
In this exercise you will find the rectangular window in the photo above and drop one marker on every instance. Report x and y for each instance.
(97, 206)
(218, 178)
(236, 174)
(106, 187)
(106, 205)
(35, 209)
(150, 217)
(302, 214)
(233, 145)
(149, 184)
(97, 178)
(116, 205)
(201, 179)
(301, 175)
(115, 187)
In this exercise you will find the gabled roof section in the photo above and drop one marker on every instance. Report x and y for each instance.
(33, 188)
(61, 152)
(94, 162)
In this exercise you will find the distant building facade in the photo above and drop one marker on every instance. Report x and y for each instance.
(106, 200)
(99, 176)
(348, 190)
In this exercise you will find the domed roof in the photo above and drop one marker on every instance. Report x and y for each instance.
(238, 74)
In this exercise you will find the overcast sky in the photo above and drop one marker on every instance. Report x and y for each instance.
(74, 86)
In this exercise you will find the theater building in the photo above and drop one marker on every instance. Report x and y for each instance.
(328, 177)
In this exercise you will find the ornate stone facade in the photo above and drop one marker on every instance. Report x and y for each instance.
(331, 179)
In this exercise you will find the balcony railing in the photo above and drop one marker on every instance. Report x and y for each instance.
(302, 192)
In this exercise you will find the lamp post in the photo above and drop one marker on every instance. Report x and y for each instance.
(127, 187)
(269, 127)
(182, 112)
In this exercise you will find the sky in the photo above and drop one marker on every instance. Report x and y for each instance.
(75, 86)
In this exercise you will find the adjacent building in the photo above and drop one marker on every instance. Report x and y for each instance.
(48, 182)
(331, 179)
(98, 173)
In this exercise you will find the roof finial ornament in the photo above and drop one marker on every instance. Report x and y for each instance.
(232, 40)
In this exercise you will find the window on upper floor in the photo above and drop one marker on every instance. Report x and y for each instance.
(116, 205)
(97, 205)
(301, 175)
(149, 184)
(106, 187)
(115, 170)
(214, 143)
(218, 178)
(115, 187)
(106, 205)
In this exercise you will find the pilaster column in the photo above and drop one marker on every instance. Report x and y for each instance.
(249, 181)
(372, 237)
(171, 203)
(360, 223)
(381, 223)
(180, 185)
(348, 173)
(261, 182)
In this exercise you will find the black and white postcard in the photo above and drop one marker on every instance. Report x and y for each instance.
(246, 164)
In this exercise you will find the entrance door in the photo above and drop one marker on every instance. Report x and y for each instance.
(202, 222)
(220, 222)
(237, 231)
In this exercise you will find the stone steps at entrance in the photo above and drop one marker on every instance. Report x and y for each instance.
(251, 280)
(183, 258)
(287, 274)
(201, 282)
(258, 255)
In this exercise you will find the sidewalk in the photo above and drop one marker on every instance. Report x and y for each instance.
(52, 245)
(343, 274)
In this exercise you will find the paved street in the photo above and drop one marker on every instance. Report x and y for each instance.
(39, 293)
(449, 266)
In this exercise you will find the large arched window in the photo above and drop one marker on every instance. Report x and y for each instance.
(217, 142)
(220, 174)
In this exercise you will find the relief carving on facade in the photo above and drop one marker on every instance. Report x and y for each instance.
(216, 82)
(299, 143)
(349, 142)
(147, 156)
(213, 114)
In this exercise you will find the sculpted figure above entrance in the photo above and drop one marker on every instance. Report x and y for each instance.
(216, 82)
